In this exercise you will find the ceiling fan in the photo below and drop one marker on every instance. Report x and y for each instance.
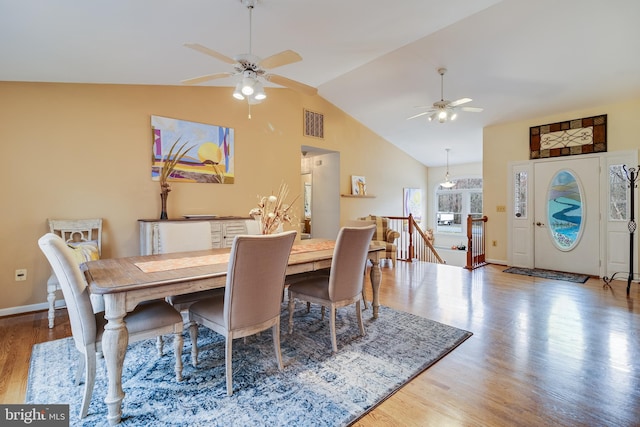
(444, 110)
(250, 69)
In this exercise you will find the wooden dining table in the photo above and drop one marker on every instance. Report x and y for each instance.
(125, 282)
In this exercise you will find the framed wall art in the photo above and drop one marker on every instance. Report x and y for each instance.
(358, 185)
(412, 201)
(209, 158)
(572, 137)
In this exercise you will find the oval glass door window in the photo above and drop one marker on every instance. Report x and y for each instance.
(565, 210)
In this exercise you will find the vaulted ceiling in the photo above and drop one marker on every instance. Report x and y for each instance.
(374, 59)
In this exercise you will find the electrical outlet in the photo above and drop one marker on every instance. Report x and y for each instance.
(21, 274)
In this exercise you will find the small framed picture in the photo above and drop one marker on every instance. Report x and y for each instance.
(358, 185)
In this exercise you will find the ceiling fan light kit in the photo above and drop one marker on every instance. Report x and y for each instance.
(444, 110)
(250, 70)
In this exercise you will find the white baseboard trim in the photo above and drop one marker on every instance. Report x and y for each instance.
(496, 261)
(29, 308)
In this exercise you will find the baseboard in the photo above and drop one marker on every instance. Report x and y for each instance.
(29, 308)
(496, 261)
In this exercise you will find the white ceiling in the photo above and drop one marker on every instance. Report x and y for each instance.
(374, 59)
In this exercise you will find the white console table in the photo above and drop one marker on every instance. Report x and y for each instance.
(223, 230)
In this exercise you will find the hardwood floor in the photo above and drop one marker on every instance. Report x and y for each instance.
(544, 352)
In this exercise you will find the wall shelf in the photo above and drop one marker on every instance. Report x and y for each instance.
(358, 196)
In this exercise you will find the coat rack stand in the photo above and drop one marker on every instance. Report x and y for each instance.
(632, 177)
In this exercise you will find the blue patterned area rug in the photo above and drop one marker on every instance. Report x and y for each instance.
(316, 387)
(548, 274)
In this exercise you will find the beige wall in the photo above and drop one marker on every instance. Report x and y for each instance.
(510, 142)
(80, 151)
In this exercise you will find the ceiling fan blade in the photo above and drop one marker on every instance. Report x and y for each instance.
(460, 102)
(418, 115)
(472, 109)
(279, 59)
(210, 52)
(205, 78)
(291, 84)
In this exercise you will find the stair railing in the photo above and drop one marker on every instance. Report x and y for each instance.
(475, 242)
(413, 243)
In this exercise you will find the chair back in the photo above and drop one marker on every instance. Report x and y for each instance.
(349, 260)
(255, 278)
(74, 288)
(75, 231)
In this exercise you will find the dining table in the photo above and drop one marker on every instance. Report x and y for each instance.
(125, 282)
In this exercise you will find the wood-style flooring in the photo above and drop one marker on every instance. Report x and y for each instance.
(544, 352)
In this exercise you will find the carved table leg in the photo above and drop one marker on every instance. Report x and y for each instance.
(375, 285)
(114, 345)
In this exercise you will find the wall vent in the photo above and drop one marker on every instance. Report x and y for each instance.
(313, 124)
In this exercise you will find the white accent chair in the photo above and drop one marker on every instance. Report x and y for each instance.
(252, 299)
(85, 236)
(147, 320)
(343, 285)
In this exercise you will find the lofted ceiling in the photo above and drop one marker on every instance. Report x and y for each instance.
(374, 59)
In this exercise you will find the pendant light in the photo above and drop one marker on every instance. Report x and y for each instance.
(447, 181)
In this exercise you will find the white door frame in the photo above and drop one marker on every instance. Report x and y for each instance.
(520, 241)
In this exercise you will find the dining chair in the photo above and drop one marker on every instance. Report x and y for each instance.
(147, 320)
(252, 299)
(343, 285)
(84, 236)
(186, 236)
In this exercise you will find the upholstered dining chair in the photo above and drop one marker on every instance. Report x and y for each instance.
(343, 285)
(149, 319)
(84, 236)
(252, 299)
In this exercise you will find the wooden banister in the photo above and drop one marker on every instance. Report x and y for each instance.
(475, 242)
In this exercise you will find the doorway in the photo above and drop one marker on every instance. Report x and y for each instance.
(601, 234)
(322, 170)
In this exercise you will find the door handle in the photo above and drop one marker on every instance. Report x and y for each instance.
(539, 224)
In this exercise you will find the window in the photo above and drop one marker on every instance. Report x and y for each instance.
(453, 205)
(520, 195)
(617, 193)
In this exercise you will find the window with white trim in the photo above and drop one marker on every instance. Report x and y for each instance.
(453, 205)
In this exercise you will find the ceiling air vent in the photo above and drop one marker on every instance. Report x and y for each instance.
(313, 124)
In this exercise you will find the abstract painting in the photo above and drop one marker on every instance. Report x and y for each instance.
(413, 203)
(209, 158)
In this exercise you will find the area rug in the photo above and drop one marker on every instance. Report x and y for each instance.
(316, 387)
(548, 274)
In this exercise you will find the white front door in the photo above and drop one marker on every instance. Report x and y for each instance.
(566, 218)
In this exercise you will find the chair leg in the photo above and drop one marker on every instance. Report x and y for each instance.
(160, 345)
(177, 350)
(90, 379)
(308, 306)
(276, 343)
(51, 299)
(321, 312)
(193, 333)
(359, 314)
(332, 323)
(291, 308)
(228, 362)
(81, 367)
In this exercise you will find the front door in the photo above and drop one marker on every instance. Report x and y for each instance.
(567, 215)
